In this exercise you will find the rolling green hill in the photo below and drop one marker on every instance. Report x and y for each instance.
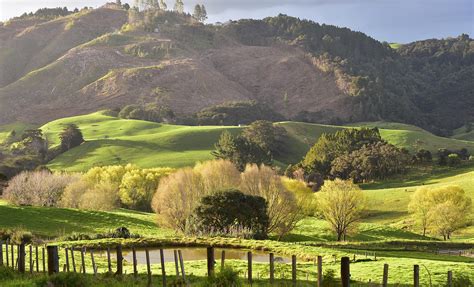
(18, 127)
(463, 134)
(111, 141)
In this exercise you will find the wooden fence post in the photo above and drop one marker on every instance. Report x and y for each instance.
(181, 262)
(21, 258)
(1, 253)
(119, 260)
(53, 260)
(249, 259)
(83, 262)
(12, 247)
(94, 269)
(109, 262)
(272, 268)
(293, 269)
(176, 264)
(31, 258)
(6, 252)
(320, 271)
(73, 260)
(37, 259)
(385, 276)
(134, 258)
(66, 251)
(416, 276)
(44, 259)
(345, 271)
(163, 271)
(223, 259)
(148, 267)
(210, 261)
(450, 278)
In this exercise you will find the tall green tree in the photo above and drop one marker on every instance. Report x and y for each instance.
(240, 151)
(268, 136)
(71, 137)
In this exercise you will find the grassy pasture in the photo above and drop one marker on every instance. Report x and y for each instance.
(111, 141)
(382, 231)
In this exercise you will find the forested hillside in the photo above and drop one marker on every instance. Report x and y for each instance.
(109, 57)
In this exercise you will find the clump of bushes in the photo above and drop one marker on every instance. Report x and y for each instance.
(16, 236)
(148, 112)
(109, 187)
(357, 154)
(101, 188)
(452, 157)
(231, 210)
(179, 194)
(38, 188)
(236, 113)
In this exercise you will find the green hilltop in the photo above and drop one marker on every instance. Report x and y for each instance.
(111, 141)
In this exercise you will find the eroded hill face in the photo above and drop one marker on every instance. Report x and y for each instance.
(89, 61)
(60, 76)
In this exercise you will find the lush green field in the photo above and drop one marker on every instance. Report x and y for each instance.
(384, 231)
(111, 141)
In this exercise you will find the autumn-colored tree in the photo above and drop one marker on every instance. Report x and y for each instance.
(443, 210)
(341, 203)
(283, 209)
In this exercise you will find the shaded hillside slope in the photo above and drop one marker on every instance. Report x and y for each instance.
(111, 140)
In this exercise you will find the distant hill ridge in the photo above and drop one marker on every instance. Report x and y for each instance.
(104, 58)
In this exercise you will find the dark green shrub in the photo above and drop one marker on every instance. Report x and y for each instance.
(237, 113)
(231, 211)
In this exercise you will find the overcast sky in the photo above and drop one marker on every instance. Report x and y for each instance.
(399, 21)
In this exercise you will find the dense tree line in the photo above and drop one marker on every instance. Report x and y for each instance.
(49, 13)
(426, 83)
(237, 113)
(151, 112)
(357, 154)
(31, 150)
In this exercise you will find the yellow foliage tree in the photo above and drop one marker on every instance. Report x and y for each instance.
(443, 210)
(341, 204)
